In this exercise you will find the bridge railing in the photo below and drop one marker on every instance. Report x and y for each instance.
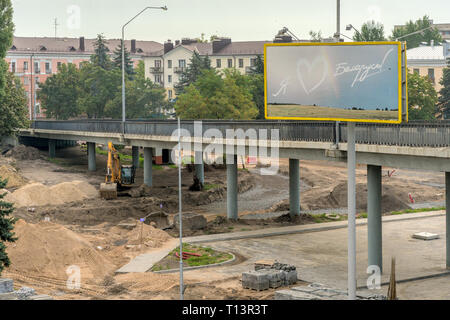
(420, 134)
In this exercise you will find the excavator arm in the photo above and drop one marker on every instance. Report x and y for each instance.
(108, 190)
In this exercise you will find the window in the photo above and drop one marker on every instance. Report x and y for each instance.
(169, 79)
(37, 69)
(218, 63)
(59, 64)
(158, 78)
(431, 75)
(170, 94)
(230, 63)
(157, 63)
(25, 66)
(26, 81)
(13, 67)
(182, 63)
(252, 62)
(169, 64)
(241, 63)
(48, 68)
(416, 71)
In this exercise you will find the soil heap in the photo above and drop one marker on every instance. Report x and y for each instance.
(15, 180)
(22, 152)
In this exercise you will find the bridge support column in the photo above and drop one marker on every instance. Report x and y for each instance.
(199, 166)
(135, 155)
(294, 187)
(92, 166)
(148, 166)
(447, 218)
(232, 188)
(374, 222)
(51, 148)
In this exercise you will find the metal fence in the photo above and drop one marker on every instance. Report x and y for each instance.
(414, 134)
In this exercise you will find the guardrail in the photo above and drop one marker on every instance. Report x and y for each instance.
(420, 134)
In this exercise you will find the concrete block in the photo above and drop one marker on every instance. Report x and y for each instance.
(425, 236)
(276, 277)
(255, 280)
(304, 289)
(6, 285)
(294, 295)
(191, 221)
(8, 296)
(24, 293)
(325, 293)
(41, 297)
(290, 277)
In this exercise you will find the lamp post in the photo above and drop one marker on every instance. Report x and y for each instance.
(123, 61)
(413, 33)
(350, 27)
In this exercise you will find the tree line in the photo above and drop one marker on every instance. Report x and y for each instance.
(94, 90)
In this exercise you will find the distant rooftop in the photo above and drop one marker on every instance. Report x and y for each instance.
(426, 53)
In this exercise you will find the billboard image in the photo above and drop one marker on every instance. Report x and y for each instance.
(334, 81)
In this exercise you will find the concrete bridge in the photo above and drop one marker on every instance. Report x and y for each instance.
(424, 146)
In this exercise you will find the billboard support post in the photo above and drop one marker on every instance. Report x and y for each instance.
(351, 203)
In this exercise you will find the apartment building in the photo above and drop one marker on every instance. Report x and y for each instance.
(164, 66)
(33, 60)
(429, 61)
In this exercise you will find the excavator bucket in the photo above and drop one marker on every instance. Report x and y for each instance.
(108, 191)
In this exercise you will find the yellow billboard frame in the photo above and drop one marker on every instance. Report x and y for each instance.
(400, 78)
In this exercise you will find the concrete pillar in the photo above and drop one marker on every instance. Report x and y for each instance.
(232, 189)
(199, 166)
(447, 218)
(148, 166)
(294, 187)
(135, 155)
(374, 223)
(91, 156)
(51, 148)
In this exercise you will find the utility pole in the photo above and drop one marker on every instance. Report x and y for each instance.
(56, 26)
(338, 20)
(31, 88)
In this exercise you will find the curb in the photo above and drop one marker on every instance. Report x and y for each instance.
(272, 232)
(198, 267)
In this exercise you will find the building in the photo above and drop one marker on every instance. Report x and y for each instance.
(429, 61)
(164, 66)
(33, 60)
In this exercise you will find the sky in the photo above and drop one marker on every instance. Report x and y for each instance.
(238, 19)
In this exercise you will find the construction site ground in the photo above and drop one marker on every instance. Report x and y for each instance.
(100, 236)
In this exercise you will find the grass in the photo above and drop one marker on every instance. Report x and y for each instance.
(328, 112)
(173, 166)
(208, 256)
(210, 186)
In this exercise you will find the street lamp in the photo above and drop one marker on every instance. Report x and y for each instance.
(123, 61)
(410, 34)
(350, 27)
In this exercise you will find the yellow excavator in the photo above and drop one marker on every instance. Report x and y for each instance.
(117, 177)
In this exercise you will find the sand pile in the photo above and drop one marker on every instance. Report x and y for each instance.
(15, 180)
(22, 152)
(37, 194)
(151, 236)
(47, 250)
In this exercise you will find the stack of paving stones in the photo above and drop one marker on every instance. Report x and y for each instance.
(317, 291)
(7, 292)
(269, 275)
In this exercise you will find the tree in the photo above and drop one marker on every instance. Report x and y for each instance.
(192, 72)
(6, 227)
(444, 93)
(256, 85)
(415, 40)
(60, 92)
(144, 99)
(98, 86)
(214, 97)
(6, 36)
(370, 31)
(129, 66)
(316, 36)
(100, 57)
(13, 106)
(422, 98)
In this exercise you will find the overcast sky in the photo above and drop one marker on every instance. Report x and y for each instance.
(238, 19)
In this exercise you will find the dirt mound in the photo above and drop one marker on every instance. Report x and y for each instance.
(47, 250)
(144, 234)
(390, 200)
(37, 194)
(22, 152)
(15, 180)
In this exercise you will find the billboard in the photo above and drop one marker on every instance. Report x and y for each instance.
(350, 81)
